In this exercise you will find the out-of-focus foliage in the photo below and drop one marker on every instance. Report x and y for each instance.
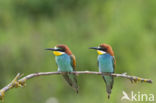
(29, 26)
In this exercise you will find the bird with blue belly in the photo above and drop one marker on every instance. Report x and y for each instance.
(106, 63)
(66, 63)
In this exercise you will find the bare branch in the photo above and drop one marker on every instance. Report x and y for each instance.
(17, 82)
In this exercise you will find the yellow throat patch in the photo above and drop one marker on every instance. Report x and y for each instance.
(100, 52)
(57, 53)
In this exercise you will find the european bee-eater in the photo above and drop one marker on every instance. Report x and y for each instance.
(106, 63)
(66, 63)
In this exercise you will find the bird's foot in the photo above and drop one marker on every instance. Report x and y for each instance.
(22, 82)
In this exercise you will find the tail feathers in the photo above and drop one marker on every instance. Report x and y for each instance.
(108, 96)
(109, 80)
(72, 81)
(109, 90)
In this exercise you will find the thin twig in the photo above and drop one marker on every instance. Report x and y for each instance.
(17, 82)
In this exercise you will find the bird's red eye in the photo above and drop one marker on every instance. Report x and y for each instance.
(103, 49)
(61, 49)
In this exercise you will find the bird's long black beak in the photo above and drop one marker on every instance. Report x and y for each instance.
(52, 49)
(96, 48)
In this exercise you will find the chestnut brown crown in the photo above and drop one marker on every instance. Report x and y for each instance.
(64, 48)
(107, 48)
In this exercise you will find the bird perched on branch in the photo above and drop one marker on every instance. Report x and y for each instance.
(66, 63)
(106, 63)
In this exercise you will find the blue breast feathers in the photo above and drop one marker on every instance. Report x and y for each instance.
(64, 63)
(105, 63)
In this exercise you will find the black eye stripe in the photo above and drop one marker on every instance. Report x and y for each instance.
(60, 49)
(63, 50)
(103, 49)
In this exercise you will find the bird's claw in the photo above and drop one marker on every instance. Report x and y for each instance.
(15, 83)
(22, 82)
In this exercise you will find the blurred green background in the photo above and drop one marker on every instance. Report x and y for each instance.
(29, 26)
